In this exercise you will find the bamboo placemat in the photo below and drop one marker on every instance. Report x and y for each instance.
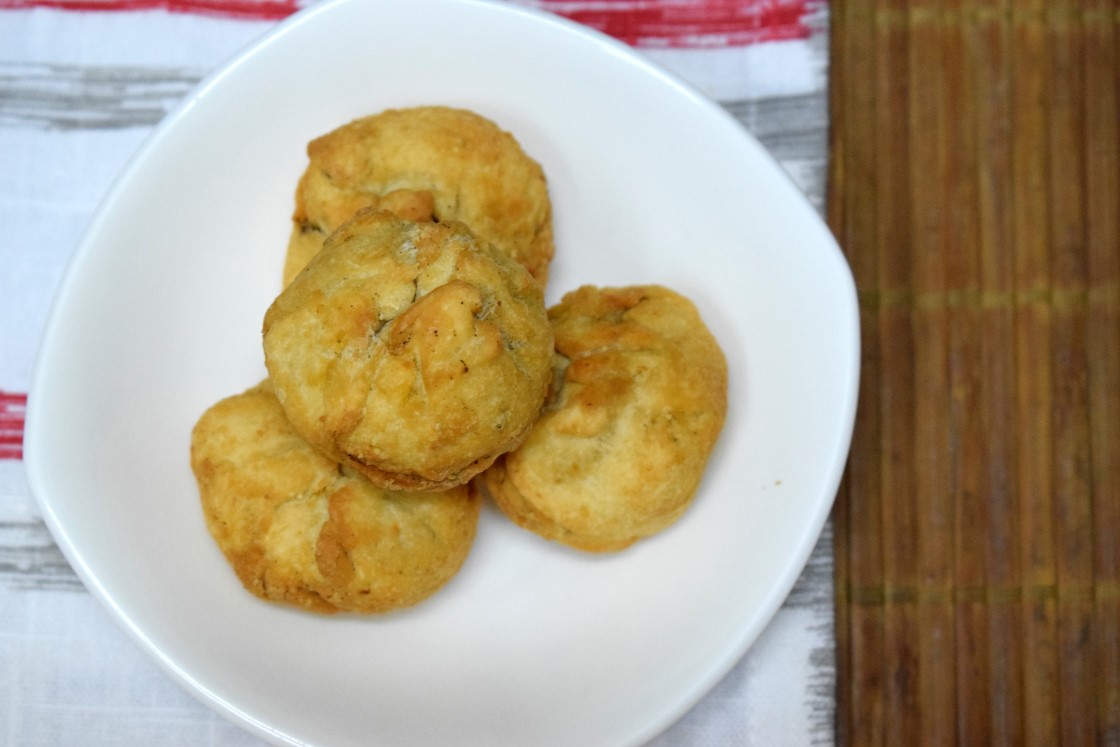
(975, 187)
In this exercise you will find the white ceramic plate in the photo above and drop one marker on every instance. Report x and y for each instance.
(159, 317)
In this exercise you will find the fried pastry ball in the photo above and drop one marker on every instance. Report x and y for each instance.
(413, 353)
(425, 163)
(640, 396)
(301, 529)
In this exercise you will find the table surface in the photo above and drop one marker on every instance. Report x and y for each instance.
(81, 86)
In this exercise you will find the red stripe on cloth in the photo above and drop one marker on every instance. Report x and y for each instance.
(256, 10)
(10, 400)
(13, 409)
(694, 24)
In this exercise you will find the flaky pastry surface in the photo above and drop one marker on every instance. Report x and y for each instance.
(411, 352)
(300, 529)
(423, 163)
(639, 399)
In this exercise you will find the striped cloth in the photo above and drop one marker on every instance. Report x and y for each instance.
(82, 84)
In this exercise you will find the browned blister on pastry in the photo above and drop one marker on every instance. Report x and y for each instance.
(300, 528)
(412, 352)
(639, 398)
(425, 163)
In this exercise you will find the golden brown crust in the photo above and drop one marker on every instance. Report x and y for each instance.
(620, 450)
(411, 352)
(301, 529)
(424, 163)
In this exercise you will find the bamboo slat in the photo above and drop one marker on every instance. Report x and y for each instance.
(1102, 187)
(991, 40)
(975, 187)
(1030, 242)
(860, 545)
